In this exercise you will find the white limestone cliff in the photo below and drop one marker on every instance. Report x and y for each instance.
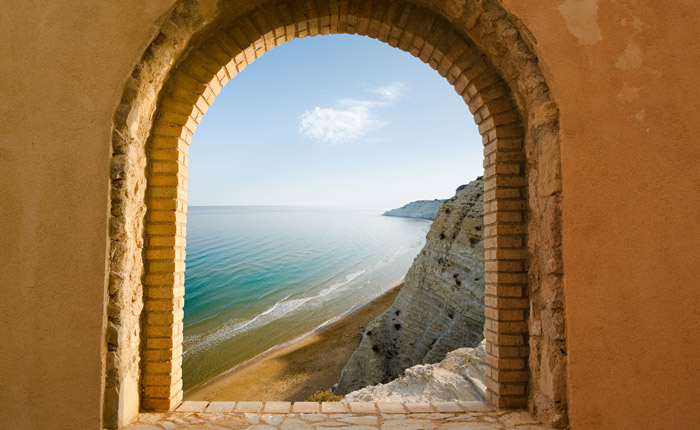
(441, 305)
(459, 377)
(423, 209)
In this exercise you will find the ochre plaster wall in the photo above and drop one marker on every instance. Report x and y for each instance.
(627, 86)
(624, 74)
(62, 70)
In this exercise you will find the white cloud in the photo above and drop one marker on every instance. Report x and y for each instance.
(347, 123)
(390, 93)
(350, 120)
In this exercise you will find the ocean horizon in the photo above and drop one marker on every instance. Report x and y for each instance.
(260, 276)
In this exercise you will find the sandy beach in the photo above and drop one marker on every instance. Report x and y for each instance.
(295, 371)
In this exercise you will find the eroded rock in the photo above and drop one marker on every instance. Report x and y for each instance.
(441, 306)
(459, 377)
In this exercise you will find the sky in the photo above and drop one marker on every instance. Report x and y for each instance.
(334, 120)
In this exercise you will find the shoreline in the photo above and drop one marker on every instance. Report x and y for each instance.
(295, 369)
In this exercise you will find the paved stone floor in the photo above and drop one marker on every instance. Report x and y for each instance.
(336, 416)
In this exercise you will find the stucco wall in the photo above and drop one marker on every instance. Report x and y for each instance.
(624, 75)
(62, 69)
(627, 86)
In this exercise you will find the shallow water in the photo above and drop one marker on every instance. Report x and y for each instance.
(258, 276)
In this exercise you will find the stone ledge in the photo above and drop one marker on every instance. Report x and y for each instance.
(386, 416)
(332, 407)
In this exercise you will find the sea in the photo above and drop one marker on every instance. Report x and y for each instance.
(258, 277)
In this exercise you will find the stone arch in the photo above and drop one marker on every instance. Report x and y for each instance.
(480, 49)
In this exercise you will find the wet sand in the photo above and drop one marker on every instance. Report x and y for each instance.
(295, 371)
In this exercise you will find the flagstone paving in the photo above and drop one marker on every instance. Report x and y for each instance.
(336, 416)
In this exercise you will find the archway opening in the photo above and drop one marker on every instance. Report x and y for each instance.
(305, 149)
(478, 48)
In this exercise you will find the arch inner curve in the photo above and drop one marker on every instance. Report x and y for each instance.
(481, 53)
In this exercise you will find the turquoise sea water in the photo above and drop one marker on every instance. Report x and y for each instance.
(257, 277)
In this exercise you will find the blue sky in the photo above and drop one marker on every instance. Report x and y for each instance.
(334, 121)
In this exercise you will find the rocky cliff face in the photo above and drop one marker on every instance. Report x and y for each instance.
(441, 305)
(423, 209)
(459, 377)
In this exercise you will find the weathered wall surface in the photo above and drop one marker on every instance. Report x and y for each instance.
(624, 75)
(63, 66)
(441, 305)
